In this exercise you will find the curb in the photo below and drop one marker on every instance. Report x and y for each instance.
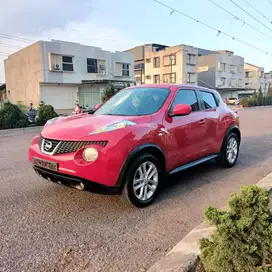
(184, 256)
(19, 131)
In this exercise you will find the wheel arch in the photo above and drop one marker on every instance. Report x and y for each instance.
(232, 129)
(145, 148)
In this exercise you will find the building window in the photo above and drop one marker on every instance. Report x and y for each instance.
(67, 63)
(156, 62)
(169, 60)
(222, 67)
(223, 81)
(138, 79)
(148, 60)
(156, 78)
(92, 66)
(190, 78)
(232, 69)
(190, 59)
(169, 78)
(247, 74)
(148, 77)
(125, 69)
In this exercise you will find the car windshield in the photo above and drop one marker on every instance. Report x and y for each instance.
(135, 101)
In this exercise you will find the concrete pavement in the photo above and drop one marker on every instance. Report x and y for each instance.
(46, 227)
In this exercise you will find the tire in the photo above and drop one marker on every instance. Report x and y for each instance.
(225, 159)
(133, 180)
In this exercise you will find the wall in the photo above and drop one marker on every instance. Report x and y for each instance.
(235, 79)
(255, 80)
(80, 54)
(23, 71)
(207, 71)
(180, 68)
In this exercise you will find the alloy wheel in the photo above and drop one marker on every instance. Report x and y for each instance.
(232, 150)
(145, 181)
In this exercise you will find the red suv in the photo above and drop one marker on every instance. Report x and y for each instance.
(135, 139)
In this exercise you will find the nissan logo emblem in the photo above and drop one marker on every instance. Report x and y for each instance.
(47, 146)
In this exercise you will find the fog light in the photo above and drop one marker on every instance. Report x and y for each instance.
(90, 154)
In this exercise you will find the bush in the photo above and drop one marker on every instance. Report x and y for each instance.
(242, 240)
(244, 101)
(11, 116)
(45, 113)
(109, 92)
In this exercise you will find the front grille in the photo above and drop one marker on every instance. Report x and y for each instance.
(48, 146)
(63, 147)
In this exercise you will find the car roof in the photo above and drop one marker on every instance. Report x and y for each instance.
(175, 86)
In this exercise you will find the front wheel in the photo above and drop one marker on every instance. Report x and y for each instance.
(143, 181)
(229, 151)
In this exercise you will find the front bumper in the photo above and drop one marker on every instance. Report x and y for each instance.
(75, 182)
(104, 171)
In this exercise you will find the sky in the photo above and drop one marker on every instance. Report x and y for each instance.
(117, 25)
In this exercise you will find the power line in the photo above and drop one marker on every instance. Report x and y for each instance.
(259, 12)
(10, 45)
(270, 2)
(11, 37)
(250, 15)
(237, 18)
(211, 27)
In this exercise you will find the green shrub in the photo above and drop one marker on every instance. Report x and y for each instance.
(45, 113)
(242, 240)
(23, 107)
(109, 92)
(11, 116)
(244, 101)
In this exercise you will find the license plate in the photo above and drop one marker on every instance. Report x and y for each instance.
(45, 164)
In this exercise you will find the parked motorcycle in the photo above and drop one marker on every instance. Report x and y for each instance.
(81, 109)
(32, 116)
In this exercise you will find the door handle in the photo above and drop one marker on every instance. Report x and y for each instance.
(202, 122)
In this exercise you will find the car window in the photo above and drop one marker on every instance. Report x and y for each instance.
(208, 99)
(186, 97)
(135, 101)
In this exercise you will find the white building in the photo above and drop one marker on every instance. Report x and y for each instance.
(267, 82)
(254, 79)
(221, 70)
(60, 73)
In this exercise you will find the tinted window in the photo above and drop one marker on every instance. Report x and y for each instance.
(67, 59)
(208, 99)
(135, 101)
(186, 97)
(91, 65)
(67, 67)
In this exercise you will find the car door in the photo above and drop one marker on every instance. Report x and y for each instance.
(186, 134)
(209, 105)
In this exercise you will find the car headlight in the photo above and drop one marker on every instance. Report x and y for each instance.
(90, 154)
(114, 126)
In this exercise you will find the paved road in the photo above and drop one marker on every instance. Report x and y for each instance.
(46, 227)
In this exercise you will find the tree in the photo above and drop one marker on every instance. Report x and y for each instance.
(45, 113)
(260, 92)
(269, 90)
(127, 84)
(109, 92)
(11, 116)
(242, 240)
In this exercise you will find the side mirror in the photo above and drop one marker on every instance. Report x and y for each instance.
(181, 109)
(97, 106)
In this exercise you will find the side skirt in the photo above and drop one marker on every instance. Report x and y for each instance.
(194, 163)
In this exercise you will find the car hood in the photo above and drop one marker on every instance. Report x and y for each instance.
(76, 127)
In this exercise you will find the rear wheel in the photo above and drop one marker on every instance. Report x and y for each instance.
(229, 151)
(143, 180)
